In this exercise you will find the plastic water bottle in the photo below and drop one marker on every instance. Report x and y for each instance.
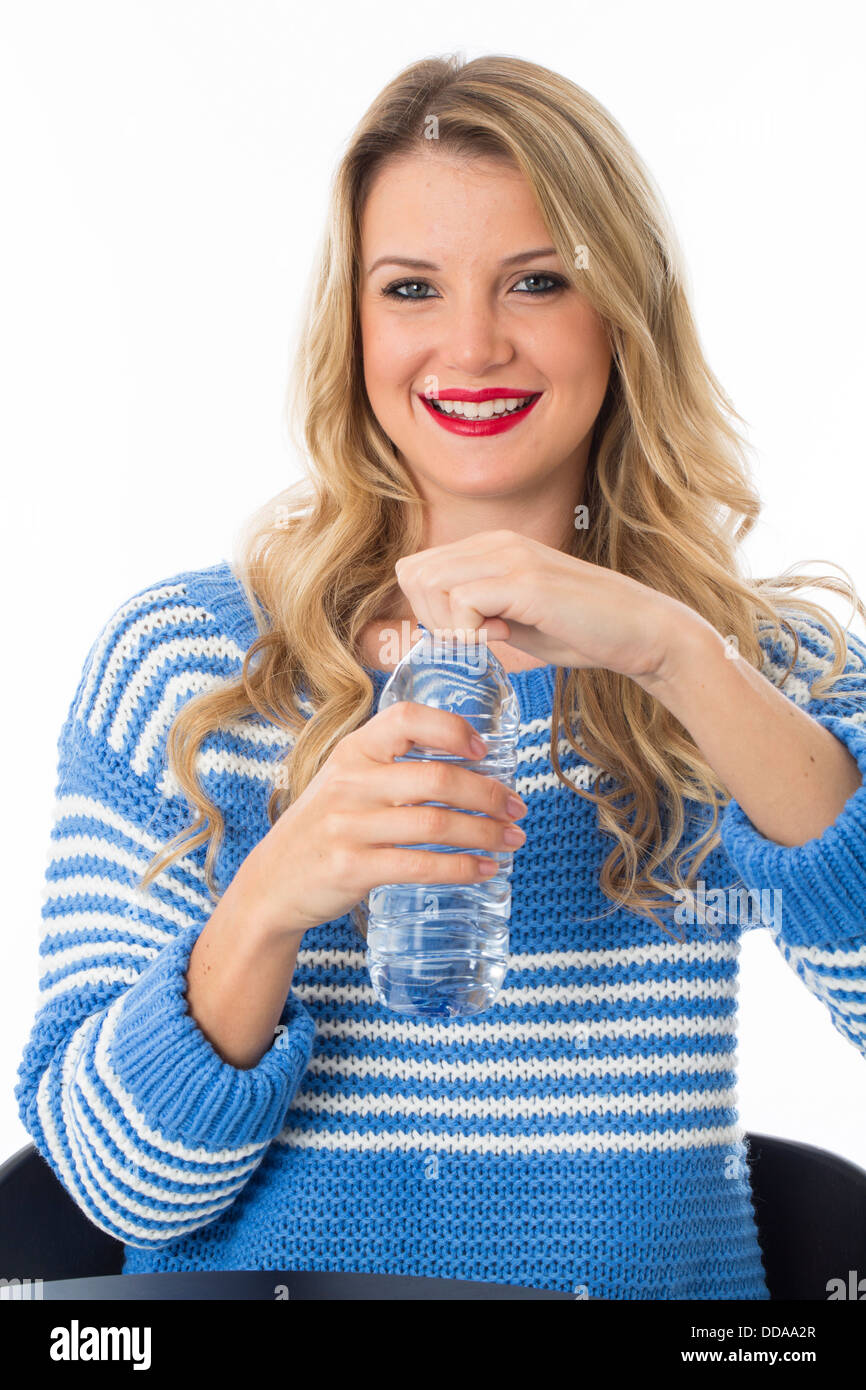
(441, 950)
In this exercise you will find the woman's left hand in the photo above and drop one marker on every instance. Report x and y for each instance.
(560, 610)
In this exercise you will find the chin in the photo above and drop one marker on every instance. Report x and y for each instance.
(485, 480)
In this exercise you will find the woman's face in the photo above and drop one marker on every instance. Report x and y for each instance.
(488, 312)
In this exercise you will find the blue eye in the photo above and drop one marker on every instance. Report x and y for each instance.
(392, 291)
(556, 282)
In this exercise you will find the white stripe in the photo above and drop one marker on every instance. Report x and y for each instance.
(164, 591)
(217, 760)
(92, 885)
(650, 1141)
(530, 1068)
(129, 645)
(225, 761)
(856, 1036)
(847, 1007)
(221, 1186)
(93, 921)
(79, 1159)
(214, 761)
(839, 982)
(158, 722)
(530, 1108)
(66, 807)
(582, 776)
(256, 731)
(168, 786)
(76, 1179)
(798, 686)
(127, 1173)
(823, 985)
(696, 952)
(73, 846)
(530, 727)
(221, 762)
(131, 1206)
(60, 960)
(856, 718)
(840, 956)
(703, 990)
(809, 628)
(67, 1174)
(80, 979)
(172, 1172)
(795, 687)
(136, 688)
(419, 1033)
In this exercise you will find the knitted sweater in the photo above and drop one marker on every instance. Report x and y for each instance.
(582, 1134)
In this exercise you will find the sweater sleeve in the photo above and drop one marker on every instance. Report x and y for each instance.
(813, 896)
(151, 1132)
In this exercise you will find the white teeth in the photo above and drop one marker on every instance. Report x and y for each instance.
(480, 410)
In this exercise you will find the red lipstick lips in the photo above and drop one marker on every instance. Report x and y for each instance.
(493, 424)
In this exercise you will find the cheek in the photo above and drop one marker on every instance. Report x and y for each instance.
(389, 351)
(596, 344)
(577, 353)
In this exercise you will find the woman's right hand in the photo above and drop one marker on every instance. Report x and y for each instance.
(337, 841)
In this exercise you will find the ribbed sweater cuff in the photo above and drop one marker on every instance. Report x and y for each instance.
(181, 1086)
(823, 882)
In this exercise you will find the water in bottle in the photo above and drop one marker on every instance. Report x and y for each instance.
(440, 950)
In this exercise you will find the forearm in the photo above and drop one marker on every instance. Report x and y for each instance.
(790, 775)
(239, 977)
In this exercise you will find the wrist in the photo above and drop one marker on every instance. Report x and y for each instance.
(690, 644)
(249, 899)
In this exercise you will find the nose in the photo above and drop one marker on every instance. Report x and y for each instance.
(474, 340)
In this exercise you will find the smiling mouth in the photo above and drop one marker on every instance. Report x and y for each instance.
(498, 408)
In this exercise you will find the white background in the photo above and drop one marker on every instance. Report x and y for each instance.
(164, 175)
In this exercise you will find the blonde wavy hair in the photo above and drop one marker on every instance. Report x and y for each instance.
(667, 483)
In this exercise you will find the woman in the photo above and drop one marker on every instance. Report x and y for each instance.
(510, 427)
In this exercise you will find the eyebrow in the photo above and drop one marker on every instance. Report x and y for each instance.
(429, 265)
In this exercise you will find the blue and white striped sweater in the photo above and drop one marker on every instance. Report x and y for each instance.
(582, 1134)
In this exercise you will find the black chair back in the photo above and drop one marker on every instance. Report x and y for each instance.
(810, 1208)
(43, 1232)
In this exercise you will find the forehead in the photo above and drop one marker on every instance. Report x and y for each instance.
(430, 204)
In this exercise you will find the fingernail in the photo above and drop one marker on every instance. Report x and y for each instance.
(516, 807)
(514, 835)
(486, 867)
(477, 745)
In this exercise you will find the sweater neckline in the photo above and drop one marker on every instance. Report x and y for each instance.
(220, 587)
